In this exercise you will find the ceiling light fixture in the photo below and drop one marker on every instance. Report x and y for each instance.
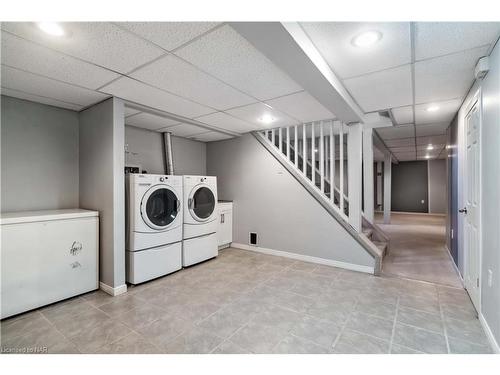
(430, 147)
(267, 119)
(432, 108)
(427, 156)
(51, 28)
(367, 38)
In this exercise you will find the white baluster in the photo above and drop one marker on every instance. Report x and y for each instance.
(296, 149)
(321, 158)
(273, 136)
(313, 155)
(341, 165)
(304, 149)
(288, 143)
(280, 140)
(332, 163)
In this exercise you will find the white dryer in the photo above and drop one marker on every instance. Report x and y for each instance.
(200, 219)
(154, 226)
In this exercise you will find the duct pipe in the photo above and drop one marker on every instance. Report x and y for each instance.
(167, 142)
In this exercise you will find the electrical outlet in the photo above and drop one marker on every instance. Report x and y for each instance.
(490, 278)
(452, 234)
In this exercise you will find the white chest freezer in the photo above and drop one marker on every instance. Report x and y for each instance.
(47, 256)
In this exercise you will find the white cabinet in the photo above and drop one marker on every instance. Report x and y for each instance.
(225, 229)
(47, 256)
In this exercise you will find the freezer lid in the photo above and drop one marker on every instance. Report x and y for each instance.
(44, 215)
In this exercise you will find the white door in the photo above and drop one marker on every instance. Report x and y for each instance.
(472, 205)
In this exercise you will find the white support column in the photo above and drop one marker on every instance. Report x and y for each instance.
(368, 173)
(387, 188)
(332, 163)
(288, 143)
(280, 139)
(354, 175)
(379, 185)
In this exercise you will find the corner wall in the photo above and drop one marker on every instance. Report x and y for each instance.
(270, 201)
(39, 156)
(102, 183)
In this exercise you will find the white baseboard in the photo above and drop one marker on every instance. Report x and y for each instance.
(113, 291)
(455, 266)
(493, 343)
(305, 258)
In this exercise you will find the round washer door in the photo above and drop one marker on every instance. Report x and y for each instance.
(159, 207)
(201, 203)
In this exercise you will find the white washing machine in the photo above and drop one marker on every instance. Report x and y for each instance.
(154, 226)
(200, 219)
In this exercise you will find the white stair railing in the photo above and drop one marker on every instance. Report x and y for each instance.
(318, 150)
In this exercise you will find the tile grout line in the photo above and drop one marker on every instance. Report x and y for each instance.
(444, 324)
(394, 326)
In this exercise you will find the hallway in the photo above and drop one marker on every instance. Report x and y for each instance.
(417, 249)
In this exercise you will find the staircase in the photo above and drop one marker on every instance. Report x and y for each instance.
(316, 154)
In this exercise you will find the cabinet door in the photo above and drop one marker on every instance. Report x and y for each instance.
(225, 230)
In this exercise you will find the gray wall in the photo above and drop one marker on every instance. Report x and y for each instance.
(145, 148)
(490, 193)
(39, 156)
(437, 186)
(189, 155)
(452, 197)
(269, 201)
(409, 186)
(102, 188)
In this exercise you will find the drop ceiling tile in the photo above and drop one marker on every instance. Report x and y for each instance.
(253, 112)
(138, 92)
(184, 130)
(210, 137)
(405, 156)
(168, 35)
(436, 139)
(130, 111)
(440, 38)
(406, 149)
(24, 55)
(334, 42)
(432, 154)
(400, 142)
(227, 122)
(386, 89)
(432, 129)
(181, 78)
(403, 115)
(149, 121)
(37, 85)
(40, 99)
(394, 132)
(437, 148)
(100, 43)
(228, 56)
(301, 106)
(447, 77)
(445, 113)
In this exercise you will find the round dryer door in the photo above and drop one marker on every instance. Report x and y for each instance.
(201, 203)
(159, 207)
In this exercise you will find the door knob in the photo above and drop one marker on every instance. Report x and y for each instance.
(463, 210)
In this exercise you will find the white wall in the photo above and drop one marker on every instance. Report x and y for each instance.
(270, 201)
(102, 183)
(490, 189)
(437, 186)
(189, 155)
(39, 156)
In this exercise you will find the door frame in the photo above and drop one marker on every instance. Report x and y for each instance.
(475, 99)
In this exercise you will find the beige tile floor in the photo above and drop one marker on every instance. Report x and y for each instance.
(245, 302)
(418, 249)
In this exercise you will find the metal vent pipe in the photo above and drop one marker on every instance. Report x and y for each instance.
(169, 161)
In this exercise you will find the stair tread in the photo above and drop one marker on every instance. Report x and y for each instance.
(382, 246)
(368, 232)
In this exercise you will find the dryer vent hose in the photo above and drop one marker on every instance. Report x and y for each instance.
(167, 141)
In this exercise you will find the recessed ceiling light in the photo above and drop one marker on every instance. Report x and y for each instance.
(51, 28)
(432, 108)
(430, 147)
(427, 156)
(366, 38)
(267, 119)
